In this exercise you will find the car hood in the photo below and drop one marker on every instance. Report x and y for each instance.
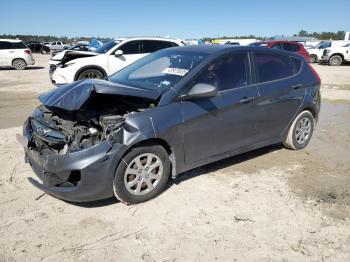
(73, 96)
(76, 54)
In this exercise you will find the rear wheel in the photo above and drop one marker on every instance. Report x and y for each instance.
(313, 59)
(300, 132)
(19, 64)
(142, 174)
(91, 74)
(335, 60)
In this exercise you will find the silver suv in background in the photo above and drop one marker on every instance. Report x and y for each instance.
(14, 53)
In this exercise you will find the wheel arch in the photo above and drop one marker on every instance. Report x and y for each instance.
(89, 67)
(339, 54)
(17, 59)
(156, 141)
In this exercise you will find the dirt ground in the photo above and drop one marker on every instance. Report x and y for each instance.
(271, 204)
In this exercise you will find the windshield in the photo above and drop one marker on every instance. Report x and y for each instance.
(160, 70)
(324, 45)
(107, 46)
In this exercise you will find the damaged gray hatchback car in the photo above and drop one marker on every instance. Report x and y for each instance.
(170, 112)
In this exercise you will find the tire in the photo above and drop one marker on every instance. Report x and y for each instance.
(19, 64)
(300, 132)
(144, 183)
(313, 59)
(91, 74)
(335, 60)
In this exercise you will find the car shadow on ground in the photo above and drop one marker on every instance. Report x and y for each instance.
(212, 167)
(27, 68)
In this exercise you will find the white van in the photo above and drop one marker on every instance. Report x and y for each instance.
(14, 53)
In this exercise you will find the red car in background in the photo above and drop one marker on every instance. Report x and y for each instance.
(285, 45)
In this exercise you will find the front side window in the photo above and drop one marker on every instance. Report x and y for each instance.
(158, 71)
(325, 45)
(130, 48)
(271, 67)
(229, 72)
(150, 46)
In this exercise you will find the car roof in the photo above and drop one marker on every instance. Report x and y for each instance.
(279, 41)
(11, 40)
(148, 38)
(222, 49)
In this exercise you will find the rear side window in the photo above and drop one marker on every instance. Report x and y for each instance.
(5, 45)
(229, 72)
(277, 46)
(130, 48)
(271, 67)
(18, 45)
(150, 46)
(291, 47)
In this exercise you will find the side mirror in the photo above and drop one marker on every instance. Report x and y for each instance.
(118, 53)
(200, 90)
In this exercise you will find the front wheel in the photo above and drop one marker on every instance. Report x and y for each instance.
(300, 132)
(19, 64)
(335, 60)
(142, 174)
(90, 74)
(313, 59)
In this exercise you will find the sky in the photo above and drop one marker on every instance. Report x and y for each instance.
(178, 18)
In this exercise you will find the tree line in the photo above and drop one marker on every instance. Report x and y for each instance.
(339, 35)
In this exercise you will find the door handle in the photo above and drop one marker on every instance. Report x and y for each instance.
(247, 99)
(298, 86)
(11, 51)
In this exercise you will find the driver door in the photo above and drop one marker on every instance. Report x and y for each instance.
(224, 123)
(131, 53)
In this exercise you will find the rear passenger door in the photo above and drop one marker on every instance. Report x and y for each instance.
(281, 93)
(131, 53)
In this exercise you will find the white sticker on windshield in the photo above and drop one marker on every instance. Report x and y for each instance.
(175, 71)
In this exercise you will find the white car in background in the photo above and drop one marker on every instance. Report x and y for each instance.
(14, 53)
(69, 65)
(316, 53)
(335, 56)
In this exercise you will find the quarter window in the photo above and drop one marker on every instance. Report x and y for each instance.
(271, 67)
(229, 72)
(130, 48)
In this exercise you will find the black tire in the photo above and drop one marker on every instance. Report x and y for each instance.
(19, 64)
(293, 140)
(313, 59)
(121, 177)
(335, 60)
(91, 74)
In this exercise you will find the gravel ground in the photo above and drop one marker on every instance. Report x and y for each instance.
(271, 204)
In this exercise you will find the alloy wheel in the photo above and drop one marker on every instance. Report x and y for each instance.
(303, 130)
(143, 174)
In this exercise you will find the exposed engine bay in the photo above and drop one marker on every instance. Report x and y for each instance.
(60, 131)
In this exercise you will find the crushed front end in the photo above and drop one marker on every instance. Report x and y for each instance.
(74, 153)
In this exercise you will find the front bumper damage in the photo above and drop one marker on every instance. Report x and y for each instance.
(85, 175)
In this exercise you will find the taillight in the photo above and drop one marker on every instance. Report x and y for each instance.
(27, 51)
(315, 73)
